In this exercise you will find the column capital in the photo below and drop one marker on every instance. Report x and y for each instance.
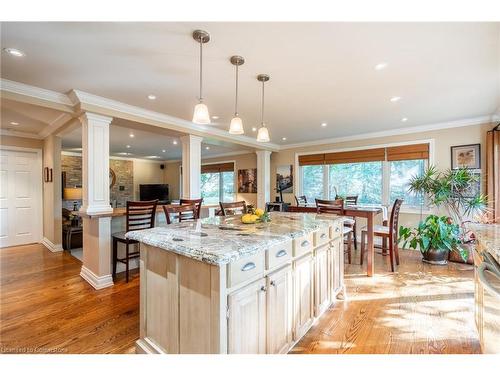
(191, 138)
(91, 116)
(263, 152)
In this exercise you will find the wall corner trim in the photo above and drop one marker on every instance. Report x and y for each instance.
(55, 248)
(98, 282)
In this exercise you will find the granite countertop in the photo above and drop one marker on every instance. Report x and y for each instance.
(220, 240)
(489, 236)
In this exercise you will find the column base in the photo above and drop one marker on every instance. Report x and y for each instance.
(55, 248)
(98, 282)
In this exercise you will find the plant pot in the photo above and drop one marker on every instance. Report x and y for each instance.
(436, 256)
(456, 258)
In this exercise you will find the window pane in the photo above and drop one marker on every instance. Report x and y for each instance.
(227, 186)
(312, 182)
(210, 188)
(361, 179)
(401, 173)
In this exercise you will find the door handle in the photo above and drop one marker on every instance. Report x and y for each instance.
(281, 253)
(323, 235)
(263, 288)
(337, 229)
(272, 283)
(304, 243)
(249, 266)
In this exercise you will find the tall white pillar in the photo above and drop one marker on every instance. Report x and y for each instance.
(191, 166)
(96, 209)
(263, 178)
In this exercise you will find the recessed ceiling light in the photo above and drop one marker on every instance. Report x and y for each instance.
(381, 66)
(323, 124)
(151, 97)
(207, 148)
(14, 52)
(131, 135)
(14, 123)
(163, 150)
(124, 153)
(404, 119)
(254, 129)
(153, 157)
(283, 139)
(174, 142)
(127, 146)
(395, 99)
(215, 117)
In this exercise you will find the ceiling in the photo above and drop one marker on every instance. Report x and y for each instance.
(320, 72)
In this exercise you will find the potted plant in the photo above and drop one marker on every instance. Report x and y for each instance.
(452, 190)
(435, 237)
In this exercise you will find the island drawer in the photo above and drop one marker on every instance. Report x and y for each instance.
(244, 269)
(321, 236)
(336, 229)
(302, 245)
(278, 254)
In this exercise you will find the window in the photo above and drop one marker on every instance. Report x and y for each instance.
(312, 182)
(376, 176)
(217, 183)
(361, 179)
(401, 173)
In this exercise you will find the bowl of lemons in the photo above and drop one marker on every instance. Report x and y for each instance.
(255, 216)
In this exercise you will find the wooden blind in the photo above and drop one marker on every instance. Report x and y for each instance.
(359, 156)
(316, 159)
(408, 152)
(214, 168)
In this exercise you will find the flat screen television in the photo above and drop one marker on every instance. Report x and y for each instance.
(149, 192)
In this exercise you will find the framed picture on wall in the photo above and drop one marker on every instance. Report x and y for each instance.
(284, 178)
(466, 156)
(247, 180)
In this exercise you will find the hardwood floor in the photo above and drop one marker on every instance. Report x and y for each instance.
(46, 307)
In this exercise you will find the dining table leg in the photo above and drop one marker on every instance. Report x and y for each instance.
(371, 251)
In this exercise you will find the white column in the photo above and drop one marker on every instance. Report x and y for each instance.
(191, 166)
(263, 178)
(96, 209)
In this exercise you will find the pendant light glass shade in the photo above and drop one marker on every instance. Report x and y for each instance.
(201, 115)
(263, 135)
(236, 126)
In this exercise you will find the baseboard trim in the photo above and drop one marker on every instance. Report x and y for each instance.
(98, 282)
(51, 246)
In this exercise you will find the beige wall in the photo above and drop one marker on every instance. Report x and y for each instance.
(7, 140)
(146, 172)
(172, 178)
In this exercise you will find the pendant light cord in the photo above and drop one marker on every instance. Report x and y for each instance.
(236, 101)
(262, 117)
(201, 69)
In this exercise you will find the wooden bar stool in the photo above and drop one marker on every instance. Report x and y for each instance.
(336, 207)
(351, 200)
(233, 208)
(387, 233)
(184, 212)
(196, 202)
(301, 200)
(140, 215)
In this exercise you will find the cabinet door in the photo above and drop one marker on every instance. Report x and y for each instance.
(279, 311)
(321, 281)
(247, 319)
(303, 296)
(336, 263)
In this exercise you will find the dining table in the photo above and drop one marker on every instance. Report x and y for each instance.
(363, 211)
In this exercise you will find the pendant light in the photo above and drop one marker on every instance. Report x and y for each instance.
(201, 115)
(263, 134)
(236, 126)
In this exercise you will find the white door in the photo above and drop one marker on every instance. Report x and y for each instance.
(20, 198)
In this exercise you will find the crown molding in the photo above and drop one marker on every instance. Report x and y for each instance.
(35, 95)
(55, 125)
(93, 103)
(14, 133)
(388, 133)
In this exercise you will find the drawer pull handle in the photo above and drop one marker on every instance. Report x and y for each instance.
(323, 235)
(263, 288)
(281, 253)
(337, 229)
(304, 243)
(272, 283)
(249, 266)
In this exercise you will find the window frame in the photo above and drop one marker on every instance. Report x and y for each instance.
(386, 169)
(221, 183)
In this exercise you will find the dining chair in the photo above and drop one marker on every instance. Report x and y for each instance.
(389, 234)
(351, 200)
(337, 207)
(139, 216)
(184, 212)
(233, 208)
(196, 202)
(301, 200)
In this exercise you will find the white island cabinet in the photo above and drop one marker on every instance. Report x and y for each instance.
(219, 286)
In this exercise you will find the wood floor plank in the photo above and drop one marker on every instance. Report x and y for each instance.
(46, 307)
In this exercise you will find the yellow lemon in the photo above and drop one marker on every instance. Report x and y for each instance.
(248, 219)
(255, 218)
(259, 212)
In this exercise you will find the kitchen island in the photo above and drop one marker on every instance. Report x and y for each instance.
(219, 286)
